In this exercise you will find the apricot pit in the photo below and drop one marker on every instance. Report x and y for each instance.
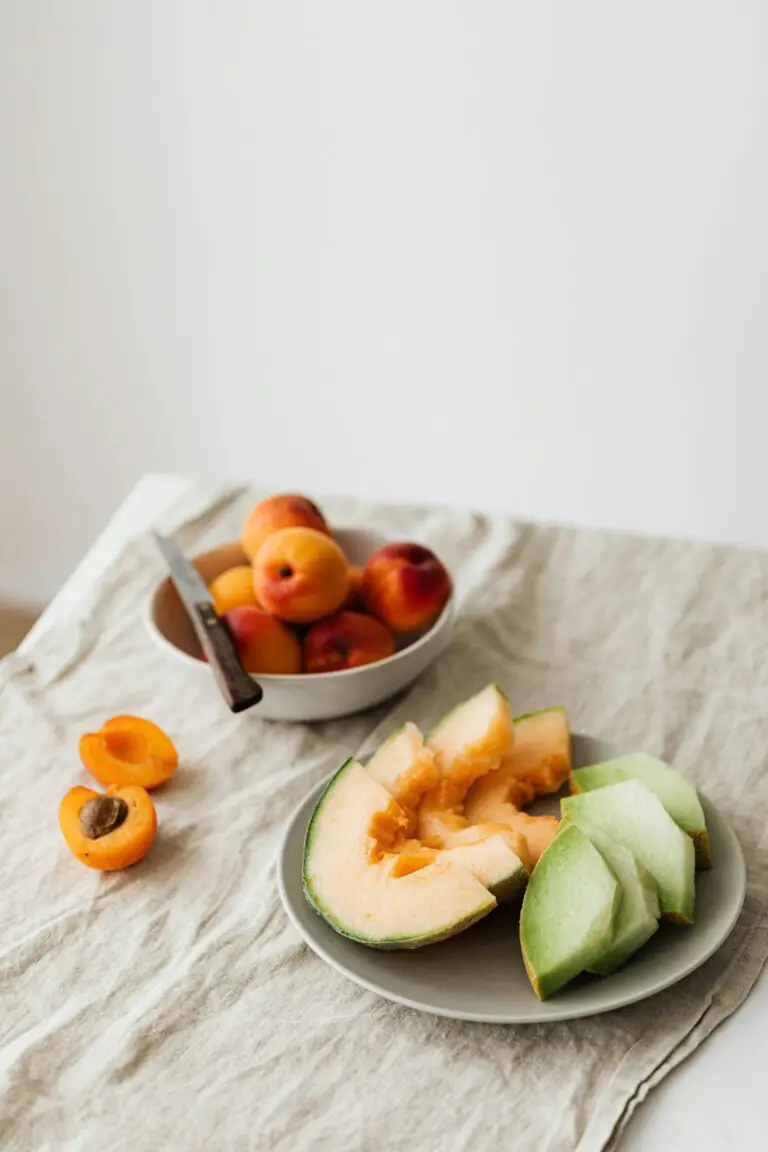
(111, 830)
(102, 814)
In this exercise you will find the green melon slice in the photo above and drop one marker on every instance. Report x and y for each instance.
(568, 913)
(633, 816)
(638, 916)
(677, 794)
(473, 737)
(404, 766)
(351, 885)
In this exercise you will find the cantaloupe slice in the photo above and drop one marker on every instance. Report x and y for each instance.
(632, 815)
(440, 819)
(492, 861)
(473, 737)
(540, 758)
(405, 766)
(638, 915)
(466, 743)
(440, 824)
(487, 857)
(538, 763)
(568, 912)
(677, 794)
(352, 880)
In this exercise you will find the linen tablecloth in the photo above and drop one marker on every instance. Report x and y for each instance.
(173, 1006)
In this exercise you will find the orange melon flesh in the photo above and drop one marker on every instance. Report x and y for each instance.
(493, 860)
(473, 737)
(405, 766)
(441, 821)
(467, 743)
(487, 855)
(537, 764)
(365, 898)
(440, 816)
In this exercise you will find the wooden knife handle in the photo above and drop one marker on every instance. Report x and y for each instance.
(235, 685)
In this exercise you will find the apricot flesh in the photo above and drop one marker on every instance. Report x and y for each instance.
(129, 750)
(108, 836)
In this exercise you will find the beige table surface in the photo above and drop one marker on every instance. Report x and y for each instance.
(715, 1100)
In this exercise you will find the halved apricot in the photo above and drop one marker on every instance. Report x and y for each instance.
(108, 830)
(129, 750)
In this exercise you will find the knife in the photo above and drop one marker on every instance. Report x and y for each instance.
(238, 689)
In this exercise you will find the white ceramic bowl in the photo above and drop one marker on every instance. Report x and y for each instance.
(312, 696)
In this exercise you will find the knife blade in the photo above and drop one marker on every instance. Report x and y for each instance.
(236, 686)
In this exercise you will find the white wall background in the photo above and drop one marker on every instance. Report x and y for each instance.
(497, 253)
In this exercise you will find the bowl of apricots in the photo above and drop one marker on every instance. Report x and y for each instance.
(330, 621)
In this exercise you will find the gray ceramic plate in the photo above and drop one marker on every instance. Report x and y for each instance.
(479, 974)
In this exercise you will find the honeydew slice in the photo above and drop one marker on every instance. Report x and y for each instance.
(638, 916)
(632, 815)
(568, 913)
(349, 880)
(677, 794)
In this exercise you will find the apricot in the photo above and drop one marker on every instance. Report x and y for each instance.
(300, 575)
(233, 589)
(265, 645)
(276, 512)
(405, 586)
(129, 750)
(108, 830)
(346, 640)
(354, 601)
